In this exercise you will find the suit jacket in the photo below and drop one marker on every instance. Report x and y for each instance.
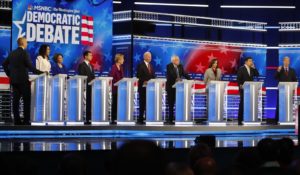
(84, 69)
(243, 75)
(172, 75)
(282, 77)
(143, 73)
(17, 65)
(210, 75)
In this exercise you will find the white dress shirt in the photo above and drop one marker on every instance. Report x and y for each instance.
(43, 64)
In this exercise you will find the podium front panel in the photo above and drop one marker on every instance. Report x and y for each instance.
(151, 108)
(183, 102)
(39, 96)
(56, 98)
(75, 103)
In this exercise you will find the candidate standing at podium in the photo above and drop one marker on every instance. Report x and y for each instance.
(16, 67)
(85, 68)
(245, 73)
(145, 72)
(213, 73)
(284, 73)
(175, 73)
(117, 73)
(58, 67)
(42, 61)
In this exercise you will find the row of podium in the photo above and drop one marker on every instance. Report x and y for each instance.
(60, 101)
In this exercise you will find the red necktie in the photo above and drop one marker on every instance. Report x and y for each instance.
(149, 68)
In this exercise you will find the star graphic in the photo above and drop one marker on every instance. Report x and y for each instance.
(57, 46)
(223, 70)
(157, 61)
(241, 55)
(233, 63)
(137, 57)
(164, 49)
(199, 67)
(107, 56)
(224, 50)
(211, 57)
(97, 66)
(5, 55)
(18, 24)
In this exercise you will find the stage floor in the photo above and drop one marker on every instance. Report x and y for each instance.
(140, 130)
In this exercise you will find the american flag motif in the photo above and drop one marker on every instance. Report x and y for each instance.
(87, 30)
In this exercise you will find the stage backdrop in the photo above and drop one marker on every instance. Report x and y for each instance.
(4, 44)
(68, 26)
(196, 57)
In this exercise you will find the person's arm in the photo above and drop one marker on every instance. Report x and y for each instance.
(255, 72)
(205, 79)
(219, 78)
(294, 78)
(81, 70)
(5, 66)
(277, 73)
(29, 65)
(240, 78)
(184, 74)
(139, 73)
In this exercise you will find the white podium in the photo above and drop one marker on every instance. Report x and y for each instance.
(57, 96)
(101, 94)
(39, 99)
(76, 87)
(216, 101)
(184, 102)
(126, 101)
(287, 94)
(154, 93)
(252, 95)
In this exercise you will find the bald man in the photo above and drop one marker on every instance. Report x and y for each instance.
(16, 67)
(284, 73)
(175, 73)
(145, 72)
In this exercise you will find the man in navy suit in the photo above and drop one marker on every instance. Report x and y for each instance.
(284, 73)
(85, 68)
(16, 67)
(145, 72)
(245, 73)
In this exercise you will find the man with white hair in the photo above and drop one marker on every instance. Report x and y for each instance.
(145, 72)
(284, 73)
(175, 73)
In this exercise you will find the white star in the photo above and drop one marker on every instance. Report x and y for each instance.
(223, 70)
(233, 63)
(137, 57)
(164, 48)
(224, 49)
(199, 68)
(5, 54)
(211, 57)
(157, 61)
(18, 24)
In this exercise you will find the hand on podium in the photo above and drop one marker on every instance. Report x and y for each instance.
(178, 79)
(279, 68)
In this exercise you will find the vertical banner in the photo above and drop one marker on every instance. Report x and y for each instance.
(69, 27)
(4, 44)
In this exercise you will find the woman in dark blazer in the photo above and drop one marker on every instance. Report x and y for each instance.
(58, 67)
(117, 73)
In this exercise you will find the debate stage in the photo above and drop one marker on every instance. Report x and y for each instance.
(138, 130)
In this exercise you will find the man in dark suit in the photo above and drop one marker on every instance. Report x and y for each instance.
(245, 73)
(284, 74)
(16, 67)
(86, 69)
(145, 72)
(175, 72)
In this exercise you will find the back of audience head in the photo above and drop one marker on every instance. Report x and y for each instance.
(178, 169)
(268, 150)
(139, 157)
(199, 151)
(205, 166)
